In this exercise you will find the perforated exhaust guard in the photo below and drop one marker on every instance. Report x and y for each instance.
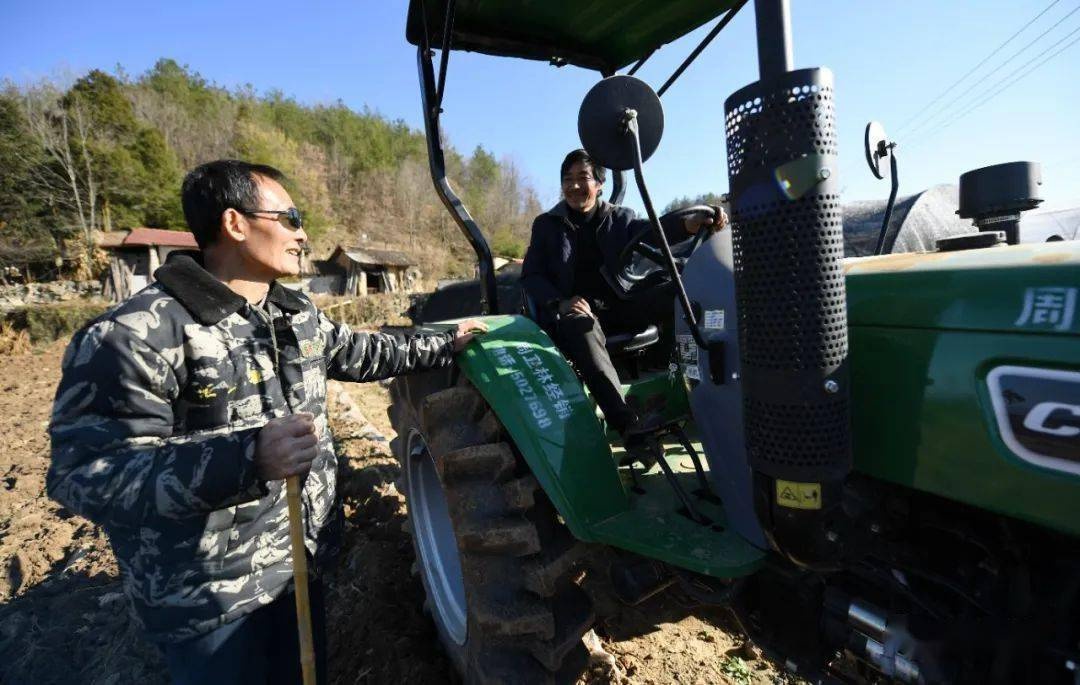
(788, 244)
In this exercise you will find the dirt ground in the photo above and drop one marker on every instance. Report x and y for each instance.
(63, 618)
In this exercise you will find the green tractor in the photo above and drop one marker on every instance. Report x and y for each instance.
(874, 462)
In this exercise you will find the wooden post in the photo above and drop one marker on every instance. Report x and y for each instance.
(300, 579)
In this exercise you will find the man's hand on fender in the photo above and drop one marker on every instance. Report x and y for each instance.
(466, 331)
(716, 221)
(286, 446)
(576, 305)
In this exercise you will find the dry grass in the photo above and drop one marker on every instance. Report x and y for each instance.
(13, 340)
(44, 323)
(370, 312)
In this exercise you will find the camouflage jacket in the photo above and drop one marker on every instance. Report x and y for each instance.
(153, 437)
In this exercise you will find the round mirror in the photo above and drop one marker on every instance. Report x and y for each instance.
(876, 146)
(602, 121)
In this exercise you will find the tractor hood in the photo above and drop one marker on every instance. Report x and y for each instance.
(1015, 289)
(604, 35)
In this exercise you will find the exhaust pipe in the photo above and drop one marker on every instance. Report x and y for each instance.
(788, 244)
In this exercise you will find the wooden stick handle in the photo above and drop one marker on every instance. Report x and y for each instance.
(300, 578)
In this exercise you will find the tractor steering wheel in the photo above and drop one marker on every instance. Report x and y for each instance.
(653, 254)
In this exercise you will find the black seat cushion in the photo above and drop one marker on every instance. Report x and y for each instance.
(622, 343)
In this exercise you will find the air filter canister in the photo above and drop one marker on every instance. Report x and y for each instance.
(788, 244)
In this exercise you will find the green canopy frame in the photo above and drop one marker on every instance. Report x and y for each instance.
(603, 35)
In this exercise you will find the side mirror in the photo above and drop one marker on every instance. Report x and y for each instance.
(602, 121)
(877, 147)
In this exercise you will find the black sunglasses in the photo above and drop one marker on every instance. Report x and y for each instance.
(292, 215)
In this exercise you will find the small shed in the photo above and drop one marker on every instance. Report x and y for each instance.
(501, 263)
(367, 270)
(134, 257)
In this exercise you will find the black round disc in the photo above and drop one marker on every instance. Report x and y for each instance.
(971, 241)
(601, 117)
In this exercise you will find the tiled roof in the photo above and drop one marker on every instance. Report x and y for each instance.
(372, 257)
(156, 236)
(106, 239)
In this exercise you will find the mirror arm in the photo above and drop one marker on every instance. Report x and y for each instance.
(883, 235)
(631, 127)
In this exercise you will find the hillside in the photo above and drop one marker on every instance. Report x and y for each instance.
(109, 152)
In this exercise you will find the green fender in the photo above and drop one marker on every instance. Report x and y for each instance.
(542, 405)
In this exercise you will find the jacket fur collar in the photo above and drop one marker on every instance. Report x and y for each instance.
(208, 299)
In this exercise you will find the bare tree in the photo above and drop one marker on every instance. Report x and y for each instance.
(64, 134)
(413, 190)
(194, 138)
(82, 130)
(339, 174)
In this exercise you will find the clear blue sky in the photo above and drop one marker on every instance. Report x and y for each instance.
(890, 59)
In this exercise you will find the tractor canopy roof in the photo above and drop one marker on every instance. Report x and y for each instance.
(605, 35)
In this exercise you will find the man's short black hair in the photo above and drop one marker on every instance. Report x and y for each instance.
(579, 155)
(209, 189)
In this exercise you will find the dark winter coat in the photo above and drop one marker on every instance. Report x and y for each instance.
(547, 275)
(153, 437)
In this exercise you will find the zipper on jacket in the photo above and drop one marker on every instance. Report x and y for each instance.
(265, 316)
(573, 262)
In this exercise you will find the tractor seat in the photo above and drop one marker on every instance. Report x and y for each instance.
(626, 347)
(632, 342)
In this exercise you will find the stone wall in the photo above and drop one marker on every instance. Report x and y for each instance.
(22, 294)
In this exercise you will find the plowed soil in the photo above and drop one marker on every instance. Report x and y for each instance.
(63, 618)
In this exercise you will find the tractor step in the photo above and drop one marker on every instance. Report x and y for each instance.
(657, 524)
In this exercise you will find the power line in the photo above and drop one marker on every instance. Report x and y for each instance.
(994, 90)
(990, 73)
(976, 67)
(945, 110)
(1011, 82)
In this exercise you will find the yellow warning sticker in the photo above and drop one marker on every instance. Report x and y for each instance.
(798, 495)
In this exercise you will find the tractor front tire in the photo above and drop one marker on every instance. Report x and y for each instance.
(500, 572)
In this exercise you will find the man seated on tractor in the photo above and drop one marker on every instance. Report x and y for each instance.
(572, 246)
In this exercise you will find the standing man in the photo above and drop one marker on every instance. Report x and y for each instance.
(572, 245)
(181, 412)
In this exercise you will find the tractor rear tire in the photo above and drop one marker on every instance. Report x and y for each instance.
(500, 572)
